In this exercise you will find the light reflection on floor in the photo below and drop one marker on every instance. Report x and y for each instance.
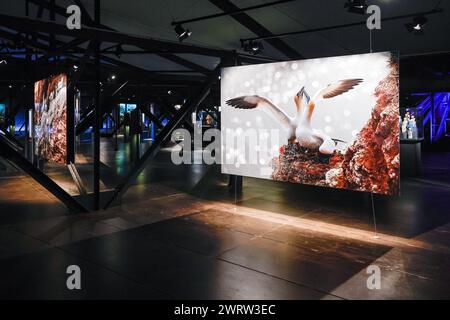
(276, 241)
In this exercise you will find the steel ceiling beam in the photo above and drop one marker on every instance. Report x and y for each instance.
(89, 33)
(180, 61)
(183, 62)
(63, 48)
(84, 61)
(147, 75)
(155, 47)
(84, 13)
(230, 13)
(255, 27)
(340, 26)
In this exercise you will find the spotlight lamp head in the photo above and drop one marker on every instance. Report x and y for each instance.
(253, 47)
(356, 6)
(417, 25)
(182, 32)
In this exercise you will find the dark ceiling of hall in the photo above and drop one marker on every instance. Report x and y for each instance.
(153, 19)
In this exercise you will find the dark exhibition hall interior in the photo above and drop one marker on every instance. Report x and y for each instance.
(224, 150)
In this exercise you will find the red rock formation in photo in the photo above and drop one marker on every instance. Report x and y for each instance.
(370, 164)
(50, 118)
(296, 164)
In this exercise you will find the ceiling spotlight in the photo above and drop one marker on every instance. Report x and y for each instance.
(75, 67)
(3, 62)
(253, 47)
(256, 47)
(416, 26)
(356, 6)
(182, 32)
(119, 51)
(169, 92)
(10, 86)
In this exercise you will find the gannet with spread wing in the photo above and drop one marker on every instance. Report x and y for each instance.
(299, 127)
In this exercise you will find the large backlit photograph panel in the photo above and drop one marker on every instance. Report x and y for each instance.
(50, 118)
(330, 122)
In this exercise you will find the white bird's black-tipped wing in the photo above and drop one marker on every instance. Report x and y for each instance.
(336, 89)
(252, 102)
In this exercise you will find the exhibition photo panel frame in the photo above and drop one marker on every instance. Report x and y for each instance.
(330, 122)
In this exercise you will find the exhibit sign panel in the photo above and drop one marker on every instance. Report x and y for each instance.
(50, 118)
(331, 122)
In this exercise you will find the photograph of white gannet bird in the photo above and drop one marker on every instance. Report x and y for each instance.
(299, 127)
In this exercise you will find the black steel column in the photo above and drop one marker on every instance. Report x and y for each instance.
(117, 120)
(98, 115)
(9, 114)
(235, 182)
(135, 135)
(433, 118)
(70, 128)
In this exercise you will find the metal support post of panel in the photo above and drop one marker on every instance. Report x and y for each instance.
(98, 115)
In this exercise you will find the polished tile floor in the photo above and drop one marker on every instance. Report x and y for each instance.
(179, 234)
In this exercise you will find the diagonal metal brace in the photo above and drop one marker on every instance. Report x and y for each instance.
(165, 133)
(9, 152)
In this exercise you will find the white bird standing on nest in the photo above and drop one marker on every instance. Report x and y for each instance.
(299, 128)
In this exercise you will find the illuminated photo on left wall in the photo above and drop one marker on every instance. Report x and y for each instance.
(50, 118)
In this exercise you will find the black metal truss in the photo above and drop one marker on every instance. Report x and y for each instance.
(190, 105)
(150, 115)
(89, 22)
(89, 33)
(106, 107)
(255, 27)
(231, 13)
